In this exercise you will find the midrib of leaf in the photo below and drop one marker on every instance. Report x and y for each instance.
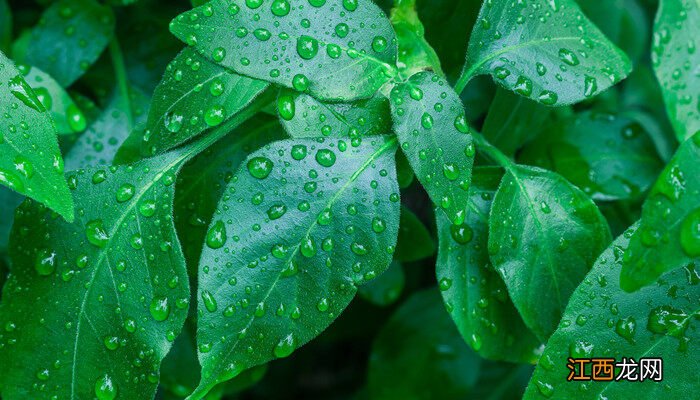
(538, 224)
(201, 391)
(470, 72)
(185, 155)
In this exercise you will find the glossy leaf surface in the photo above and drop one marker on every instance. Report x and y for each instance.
(545, 50)
(347, 53)
(116, 277)
(415, 53)
(30, 161)
(602, 320)
(473, 292)
(669, 233)
(432, 129)
(544, 235)
(280, 265)
(675, 60)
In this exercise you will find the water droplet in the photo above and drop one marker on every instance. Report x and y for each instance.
(209, 301)
(568, 57)
(216, 236)
(125, 192)
(96, 234)
(45, 263)
(690, 234)
(160, 309)
(325, 157)
(260, 167)
(215, 115)
(461, 234)
(285, 346)
(105, 389)
(280, 7)
(307, 47)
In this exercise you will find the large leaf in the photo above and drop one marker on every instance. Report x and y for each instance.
(104, 136)
(302, 224)
(432, 129)
(83, 28)
(30, 161)
(604, 321)
(544, 235)
(335, 50)
(415, 53)
(512, 121)
(65, 113)
(203, 180)
(473, 292)
(676, 61)
(419, 355)
(305, 117)
(93, 306)
(193, 96)
(5, 25)
(608, 156)
(546, 50)
(669, 233)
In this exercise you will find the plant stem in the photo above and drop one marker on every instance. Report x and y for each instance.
(492, 152)
(463, 80)
(122, 80)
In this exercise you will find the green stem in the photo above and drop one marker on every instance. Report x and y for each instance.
(122, 80)
(492, 152)
(464, 79)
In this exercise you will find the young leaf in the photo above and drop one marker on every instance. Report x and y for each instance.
(346, 53)
(30, 161)
(415, 242)
(546, 50)
(303, 223)
(82, 27)
(5, 25)
(473, 292)
(116, 277)
(676, 31)
(203, 180)
(544, 235)
(419, 355)
(193, 96)
(415, 53)
(305, 117)
(65, 113)
(432, 129)
(602, 320)
(386, 288)
(608, 156)
(100, 142)
(512, 121)
(669, 233)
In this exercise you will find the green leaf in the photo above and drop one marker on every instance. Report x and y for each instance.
(5, 25)
(432, 129)
(193, 96)
(30, 161)
(9, 200)
(346, 53)
(305, 117)
(415, 53)
(512, 121)
(66, 115)
(415, 242)
(105, 296)
(674, 56)
(602, 320)
(419, 355)
(608, 156)
(386, 288)
(473, 292)
(104, 136)
(203, 180)
(544, 235)
(305, 221)
(669, 233)
(546, 50)
(82, 27)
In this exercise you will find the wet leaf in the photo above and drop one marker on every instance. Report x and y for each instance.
(669, 233)
(30, 161)
(473, 292)
(346, 53)
(545, 50)
(386, 288)
(280, 265)
(415, 53)
(432, 129)
(544, 235)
